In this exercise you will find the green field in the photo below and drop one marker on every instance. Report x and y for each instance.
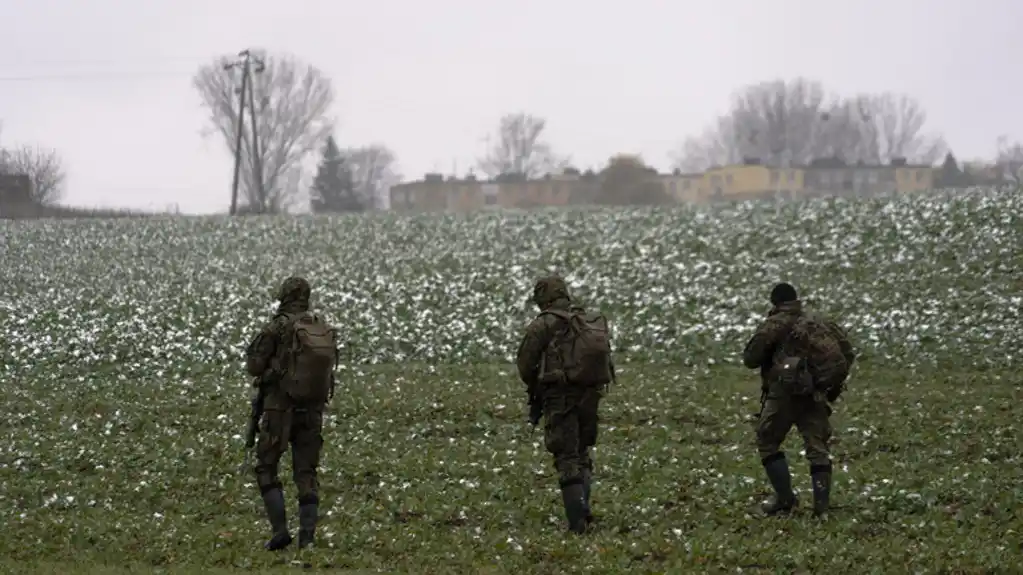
(125, 402)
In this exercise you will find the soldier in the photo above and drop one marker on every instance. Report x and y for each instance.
(294, 357)
(804, 360)
(565, 362)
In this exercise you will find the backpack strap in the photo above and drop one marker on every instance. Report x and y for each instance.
(565, 315)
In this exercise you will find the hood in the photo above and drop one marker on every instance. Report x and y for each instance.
(548, 290)
(294, 295)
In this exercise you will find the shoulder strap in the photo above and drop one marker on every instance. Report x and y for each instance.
(558, 313)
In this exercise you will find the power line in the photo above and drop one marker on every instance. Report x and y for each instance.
(97, 76)
(86, 69)
(65, 61)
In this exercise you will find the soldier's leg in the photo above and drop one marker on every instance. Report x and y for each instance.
(776, 420)
(588, 425)
(561, 437)
(814, 425)
(307, 443)
(272, 442)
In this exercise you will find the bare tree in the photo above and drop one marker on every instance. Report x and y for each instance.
(775, 122)
(889, 126)
(1009, 161)
(714, 147)
(519, 150)
(292, 100)
(44, 168)
(374, 171)
(793, 122)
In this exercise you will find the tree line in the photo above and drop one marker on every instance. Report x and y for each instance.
(779, 122)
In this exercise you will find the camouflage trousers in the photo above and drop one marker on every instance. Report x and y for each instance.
(811, 418)
(571, 430)
(303, 430)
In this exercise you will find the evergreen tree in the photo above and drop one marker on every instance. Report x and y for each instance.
(950, 175)
(333, 189)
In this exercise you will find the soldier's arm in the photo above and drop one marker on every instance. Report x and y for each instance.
(762, 343)
(531, 350)
(260, 352)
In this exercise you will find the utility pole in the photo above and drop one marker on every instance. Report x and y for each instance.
(246, 97)
(257, 162)
(240, 129)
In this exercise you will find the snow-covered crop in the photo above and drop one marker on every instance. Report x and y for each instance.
(124, 399)
(922, 279)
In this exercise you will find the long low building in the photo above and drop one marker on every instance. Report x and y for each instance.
(749, 180)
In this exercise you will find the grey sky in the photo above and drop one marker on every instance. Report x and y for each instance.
(431, 78)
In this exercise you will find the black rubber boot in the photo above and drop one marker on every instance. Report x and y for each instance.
(587, 482)
(575, 507)
(307, 515)
(820, 476)
(277, 514)
(777, 469)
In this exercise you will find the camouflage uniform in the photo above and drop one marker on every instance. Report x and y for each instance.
(285, 422)
(810, 414)
(570, 411)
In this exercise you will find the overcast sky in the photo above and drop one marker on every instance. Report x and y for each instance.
(108, 82)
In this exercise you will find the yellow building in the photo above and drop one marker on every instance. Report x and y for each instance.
(750, 181)
(684, 188)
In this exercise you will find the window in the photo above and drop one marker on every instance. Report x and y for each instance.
(775, 177)
(490, 200)
(728, 179)
(873, 177)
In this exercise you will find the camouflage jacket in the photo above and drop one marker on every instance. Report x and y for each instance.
(535, 350)
(766, 348)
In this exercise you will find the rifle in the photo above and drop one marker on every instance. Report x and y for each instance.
(255, 415)
(763, 400)
(765, 371)
(535, 409)
(535, 401)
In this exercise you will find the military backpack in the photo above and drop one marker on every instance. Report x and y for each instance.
(584, 347)
(310, 357)
(816, 360)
